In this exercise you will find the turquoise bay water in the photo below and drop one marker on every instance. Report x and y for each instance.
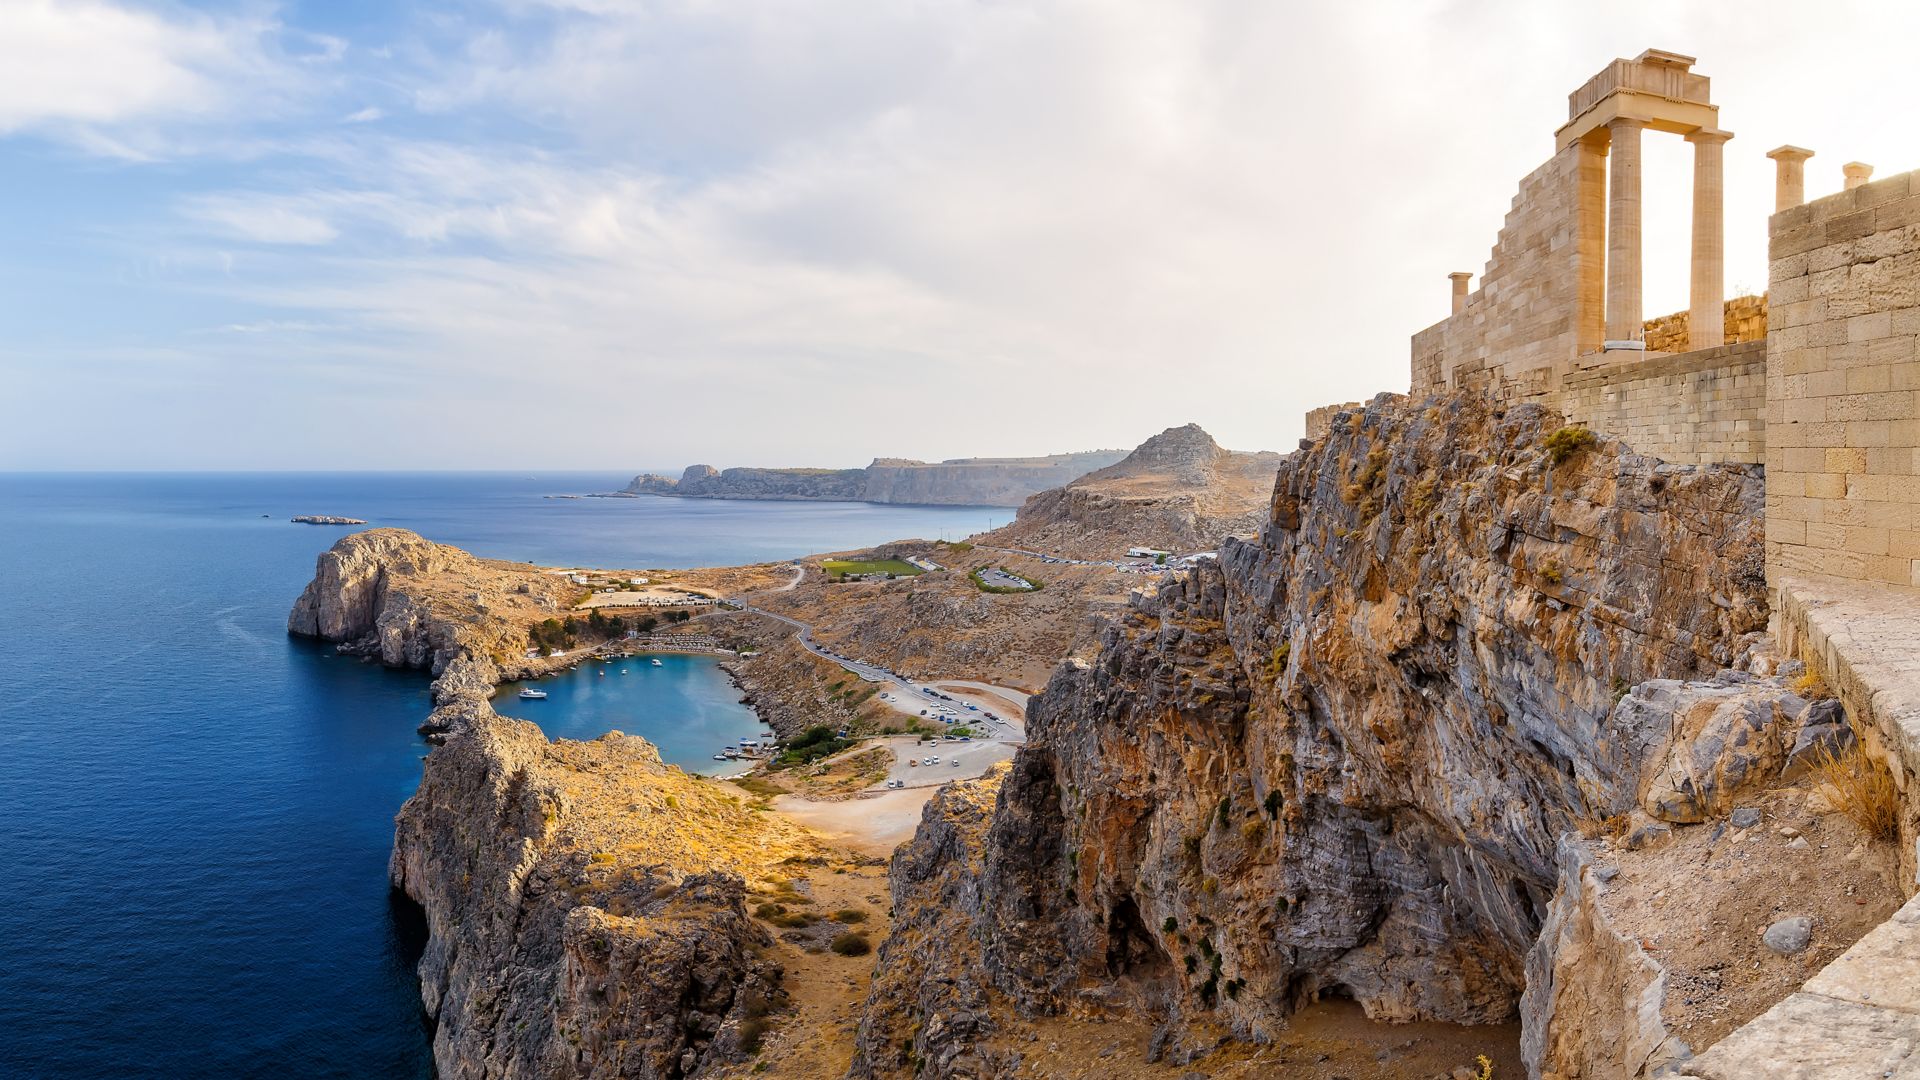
(631, 694)
(199, 809)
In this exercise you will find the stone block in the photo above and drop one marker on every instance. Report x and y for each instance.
(1815, 1037)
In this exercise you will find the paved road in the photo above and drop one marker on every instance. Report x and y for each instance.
(1002, 726)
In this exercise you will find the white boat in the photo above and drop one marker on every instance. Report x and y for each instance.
(532, 694)
(656, 661)
(719, 757)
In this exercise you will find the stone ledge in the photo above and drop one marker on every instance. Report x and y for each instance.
(1811, 1037)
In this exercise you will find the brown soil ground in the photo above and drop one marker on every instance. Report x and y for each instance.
(1327, 1041)
(813, 1035)
(1700, 903)
(940, 624)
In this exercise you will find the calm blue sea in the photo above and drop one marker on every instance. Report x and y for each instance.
(198, 810)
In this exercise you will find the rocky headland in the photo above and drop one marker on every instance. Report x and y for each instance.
(957, 482)
(586, 903)
(1178, 491)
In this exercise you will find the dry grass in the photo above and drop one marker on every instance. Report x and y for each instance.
(1811, 686)
(1865, 788)
(1562, 445)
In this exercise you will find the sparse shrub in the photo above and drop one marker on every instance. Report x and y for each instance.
(1865, 787)
(1210, 886)
(602, 858)
(1562, 445)
(1226, 809)
(1277, 663)
(1169, 926)
(1811, 686)
(849, 915)
(1251, 829)
(1272, 804)
(1551, 573)
(751, 1032)
(1425, 496)
(1193, 965)
(852, 943)
(1486, 1068)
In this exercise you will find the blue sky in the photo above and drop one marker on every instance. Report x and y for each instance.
(616, 233)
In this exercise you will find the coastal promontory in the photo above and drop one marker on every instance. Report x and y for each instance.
(957, 482)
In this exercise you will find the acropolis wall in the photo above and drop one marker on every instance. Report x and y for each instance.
(1843, 386)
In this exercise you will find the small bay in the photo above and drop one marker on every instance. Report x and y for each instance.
(200, 809)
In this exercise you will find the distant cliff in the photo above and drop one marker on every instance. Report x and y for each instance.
(958, 482)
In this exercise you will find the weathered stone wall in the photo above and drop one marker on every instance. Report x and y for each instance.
(1320, 420)
(1745, 320)
(1843, 386)
(1696, 408)
(1527, 312)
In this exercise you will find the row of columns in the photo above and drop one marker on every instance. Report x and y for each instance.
(1707, 279)
(1707, 282)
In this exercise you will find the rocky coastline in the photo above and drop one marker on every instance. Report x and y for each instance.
(585, 902)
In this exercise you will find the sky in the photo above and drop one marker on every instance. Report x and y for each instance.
(373, 234)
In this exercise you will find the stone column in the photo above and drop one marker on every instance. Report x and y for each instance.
(1789, 176)
(1459, 279)
(1857, 173)
(1706, 309)
(1624, 321)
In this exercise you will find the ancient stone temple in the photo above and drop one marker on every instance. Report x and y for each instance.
(1558, 317)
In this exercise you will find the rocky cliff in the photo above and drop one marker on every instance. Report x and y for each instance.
(585, 901)
(1178, 491)
(959, 482)
(1340, 762)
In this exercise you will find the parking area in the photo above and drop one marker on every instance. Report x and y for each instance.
(920, 764)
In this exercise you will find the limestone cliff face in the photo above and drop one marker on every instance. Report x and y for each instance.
(960, 482)
(565, 942)
(1340, 760)
(1178, 491)
(350, 598)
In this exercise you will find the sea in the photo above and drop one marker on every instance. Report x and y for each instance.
(196, 810)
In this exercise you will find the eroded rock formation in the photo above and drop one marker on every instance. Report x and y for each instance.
(1340, 761)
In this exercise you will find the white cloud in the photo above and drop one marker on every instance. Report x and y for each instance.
(814, 216)
(72, 67)
(263, 220)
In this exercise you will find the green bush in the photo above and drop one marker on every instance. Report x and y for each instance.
(815, 743)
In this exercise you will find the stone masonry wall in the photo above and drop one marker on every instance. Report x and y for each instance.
(1321, 419)
(1843, 386)
(1525, 314)
(1696, 408)
(1745, 320)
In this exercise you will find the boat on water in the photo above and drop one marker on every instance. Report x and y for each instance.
(533, 695)
(656, 661)
(719, 757)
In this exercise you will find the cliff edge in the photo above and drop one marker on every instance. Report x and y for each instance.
(1339, 762)
(585, 902)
